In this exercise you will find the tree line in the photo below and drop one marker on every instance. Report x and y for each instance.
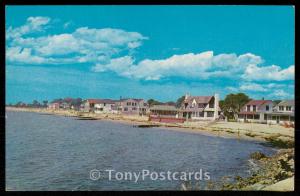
(230, 106)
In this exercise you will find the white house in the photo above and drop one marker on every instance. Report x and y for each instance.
(105, 106)
(99, 106)
(256, 111)
(264, 111)
(283, 112)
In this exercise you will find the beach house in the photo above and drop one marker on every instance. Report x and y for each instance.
(282, 113)
(200, 107)
(53, 105)
(132, 106)
(105, 106)
(256, 111)
(165, 113)
(99, 106)
(164, 110)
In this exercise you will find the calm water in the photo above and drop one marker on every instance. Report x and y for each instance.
(45, 152)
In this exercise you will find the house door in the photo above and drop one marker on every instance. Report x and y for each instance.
(189, 115)
(277, 119)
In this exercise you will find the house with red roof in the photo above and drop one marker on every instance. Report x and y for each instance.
(256, 111)
(200, 107)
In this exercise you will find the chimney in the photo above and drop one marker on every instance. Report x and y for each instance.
(187, 95)
(216, 107)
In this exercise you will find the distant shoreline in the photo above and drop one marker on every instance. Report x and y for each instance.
(223, 129)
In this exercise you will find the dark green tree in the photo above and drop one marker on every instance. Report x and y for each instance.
(152, 102)
(179, 101)
(233, 103)
(45, 102)
(171, 103)
(276, 101)
(35, 103)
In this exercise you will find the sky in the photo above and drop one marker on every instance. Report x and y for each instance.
(160, 52)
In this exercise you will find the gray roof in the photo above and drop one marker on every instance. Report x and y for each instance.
(198, 99)
(164, 107)
(287, 103)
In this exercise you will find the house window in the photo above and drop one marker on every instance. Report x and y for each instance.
(256, 116)
(201, 114)
(185, 105)
(267, 108)
(248, 108)
(134, 108)
(210, 114)
(211, 104)
(200, 105)
(265, 116)
(288, 108)
(281, 108)
(104, 104)
(125, 109)
(254, 108)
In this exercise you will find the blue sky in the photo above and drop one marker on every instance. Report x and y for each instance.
(159, 52)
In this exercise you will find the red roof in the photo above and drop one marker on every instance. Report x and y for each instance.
(258, 102)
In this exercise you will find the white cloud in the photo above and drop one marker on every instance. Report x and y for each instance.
(67, 24)
(232, 89)
(202, 65)
(281, 94)
(273, 72)
(272, 90)
(84, 45)
(253, 87)
(33, 24)
(102, 48)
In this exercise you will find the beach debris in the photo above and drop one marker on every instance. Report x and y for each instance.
(145, 126)
(257, 155)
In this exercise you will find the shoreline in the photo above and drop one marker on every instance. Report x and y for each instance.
(220, 129)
